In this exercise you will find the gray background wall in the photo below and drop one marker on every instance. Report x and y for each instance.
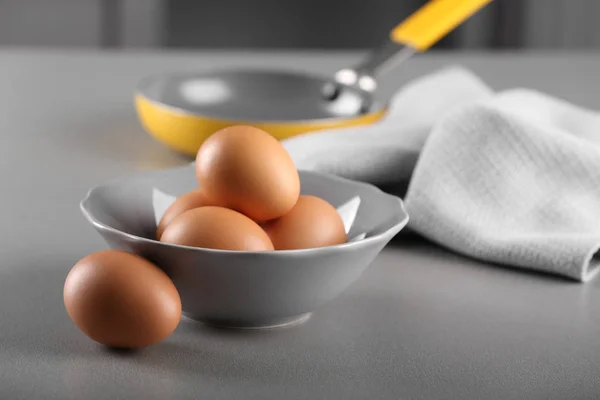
(228, 24)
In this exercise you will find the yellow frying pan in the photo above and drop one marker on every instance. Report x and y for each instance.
(182, 110)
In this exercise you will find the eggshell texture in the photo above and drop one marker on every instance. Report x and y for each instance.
(313, 222)
(121, 300)
(185, 202)
(216, 228)
(248, 170)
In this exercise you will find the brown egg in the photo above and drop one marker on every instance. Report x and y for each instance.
(121, 300)
(248, 170)
(185, 202)
(216, 228)
(313, 222)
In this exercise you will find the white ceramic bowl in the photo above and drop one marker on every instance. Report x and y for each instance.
(247, 289)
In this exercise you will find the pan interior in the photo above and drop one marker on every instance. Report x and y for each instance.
(251, 95)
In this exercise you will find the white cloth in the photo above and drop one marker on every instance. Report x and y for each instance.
(511, 178)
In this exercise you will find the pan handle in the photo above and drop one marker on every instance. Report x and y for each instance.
(417, 33)
(433, 21)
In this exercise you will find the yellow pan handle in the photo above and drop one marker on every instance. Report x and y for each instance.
(433, 21)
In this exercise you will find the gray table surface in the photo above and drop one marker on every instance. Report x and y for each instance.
(421, 323)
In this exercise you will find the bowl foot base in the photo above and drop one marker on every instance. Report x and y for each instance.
(271, 324)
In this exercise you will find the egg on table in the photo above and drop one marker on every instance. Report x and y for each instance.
(311, 223)
(246, 169)
(121, 300)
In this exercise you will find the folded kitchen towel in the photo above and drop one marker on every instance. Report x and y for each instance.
(511, 178)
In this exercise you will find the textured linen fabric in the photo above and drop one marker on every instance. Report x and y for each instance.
(511, 178)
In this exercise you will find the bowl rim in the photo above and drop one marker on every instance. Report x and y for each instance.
(392, 230)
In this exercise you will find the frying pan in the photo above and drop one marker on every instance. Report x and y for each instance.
(182, 110)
